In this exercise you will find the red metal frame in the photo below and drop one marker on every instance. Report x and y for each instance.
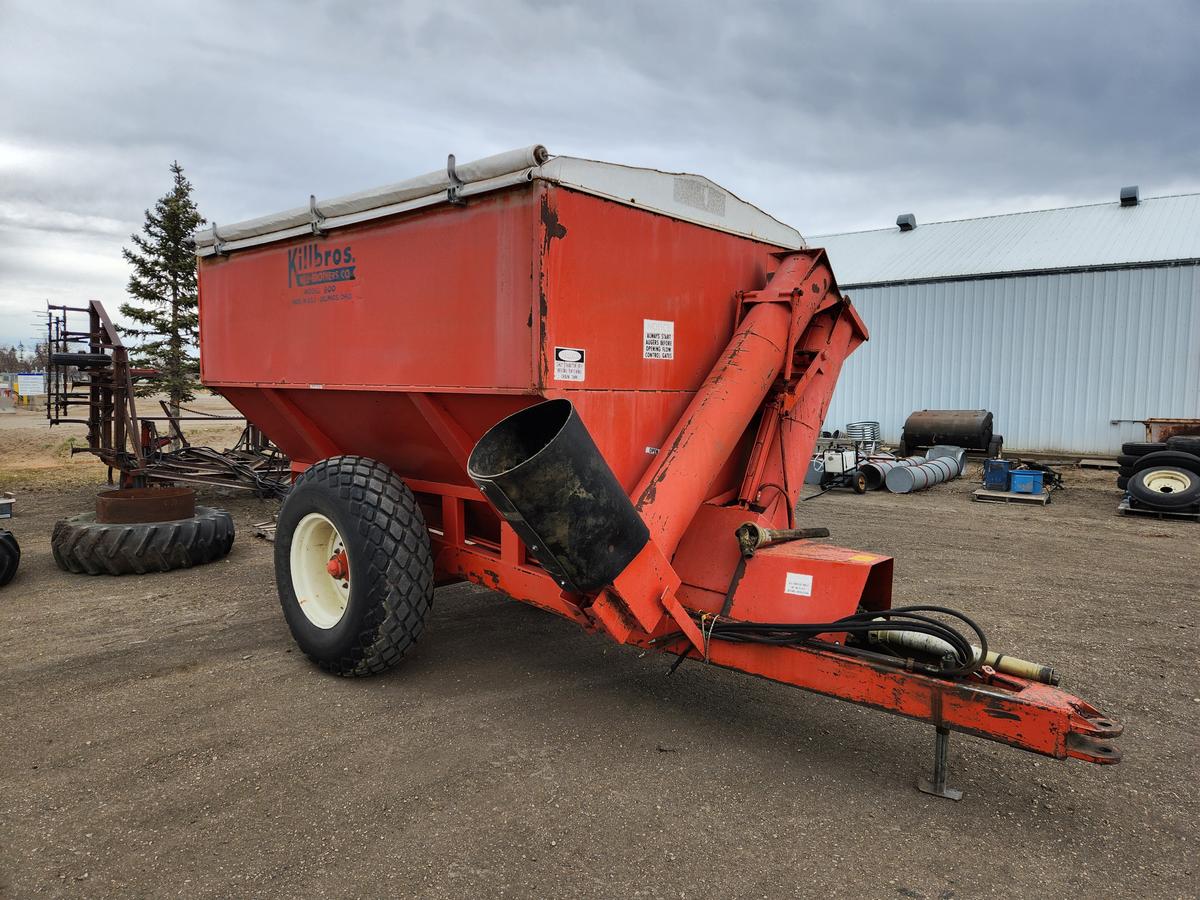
(1014, 711)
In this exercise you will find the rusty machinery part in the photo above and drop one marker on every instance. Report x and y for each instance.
(98, 388)
(10, 556)
(541, 469)
(751, 536)
(84, 546)
(353, 565)
(143, 505)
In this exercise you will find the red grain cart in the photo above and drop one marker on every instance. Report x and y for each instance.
(595, 389)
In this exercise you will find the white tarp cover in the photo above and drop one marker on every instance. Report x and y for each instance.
(421, 186)
(691, 198)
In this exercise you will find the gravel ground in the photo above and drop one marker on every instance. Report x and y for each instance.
(162, 737)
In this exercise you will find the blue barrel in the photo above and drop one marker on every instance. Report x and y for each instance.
(1027, 481)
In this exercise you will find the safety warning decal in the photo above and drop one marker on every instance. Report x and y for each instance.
(658, 339)
(569, 364)
(800, 585)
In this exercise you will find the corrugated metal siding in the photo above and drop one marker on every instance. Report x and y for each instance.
(1156, 230)
(1055, 357)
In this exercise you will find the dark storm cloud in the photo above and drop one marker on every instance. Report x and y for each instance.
(831, 116)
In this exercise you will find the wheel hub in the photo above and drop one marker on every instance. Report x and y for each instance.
(1166, 481)
(338, 567)
(320, 569)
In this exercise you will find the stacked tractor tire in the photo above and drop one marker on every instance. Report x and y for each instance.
(1162, 477)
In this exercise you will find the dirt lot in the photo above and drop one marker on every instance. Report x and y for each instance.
(162, 737)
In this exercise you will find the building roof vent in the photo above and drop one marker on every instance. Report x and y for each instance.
(907, 221)
(1129, 195)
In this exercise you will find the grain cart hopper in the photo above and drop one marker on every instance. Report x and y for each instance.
(595, 389)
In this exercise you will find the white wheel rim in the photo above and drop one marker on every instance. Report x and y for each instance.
(1166, 481)
(316, 545)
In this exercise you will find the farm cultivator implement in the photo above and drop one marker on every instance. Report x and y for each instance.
(91, 382)
(595, 389)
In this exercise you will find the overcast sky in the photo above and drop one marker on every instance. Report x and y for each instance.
(831, 116)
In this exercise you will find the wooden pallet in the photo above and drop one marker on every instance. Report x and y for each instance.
(1010, 497)
(1094, 463)
(1124, 509)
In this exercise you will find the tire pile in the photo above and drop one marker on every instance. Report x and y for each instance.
(84, 546)
(1162, 477)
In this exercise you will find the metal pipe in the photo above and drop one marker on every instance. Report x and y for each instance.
(935, 646)
(944, 451)
(876, 470)
(676, 485)
(906, 479)
(752, 537)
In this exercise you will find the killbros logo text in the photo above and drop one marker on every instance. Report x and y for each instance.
(313, 264)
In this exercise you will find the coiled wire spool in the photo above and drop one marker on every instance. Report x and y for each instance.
(865, 436)
(906, 479)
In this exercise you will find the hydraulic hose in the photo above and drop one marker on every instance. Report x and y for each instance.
(963, 657)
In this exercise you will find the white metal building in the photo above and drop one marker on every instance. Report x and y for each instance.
(1060, 321)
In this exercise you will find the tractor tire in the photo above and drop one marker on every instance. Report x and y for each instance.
(1125, 471)
(10, 557)
(1165, 487)
(1128, 459)
(353, 566)
(1185, 443)
(1170, 458)
(1122, 482)
(1141, 448)
(84, 546)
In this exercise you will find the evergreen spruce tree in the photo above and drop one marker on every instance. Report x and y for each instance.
(163, 282)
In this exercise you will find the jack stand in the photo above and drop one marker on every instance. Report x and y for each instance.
(941, 751)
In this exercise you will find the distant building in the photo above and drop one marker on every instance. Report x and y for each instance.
(1060, 321)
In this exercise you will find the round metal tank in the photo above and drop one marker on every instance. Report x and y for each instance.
(971, 428)
(906, 479)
